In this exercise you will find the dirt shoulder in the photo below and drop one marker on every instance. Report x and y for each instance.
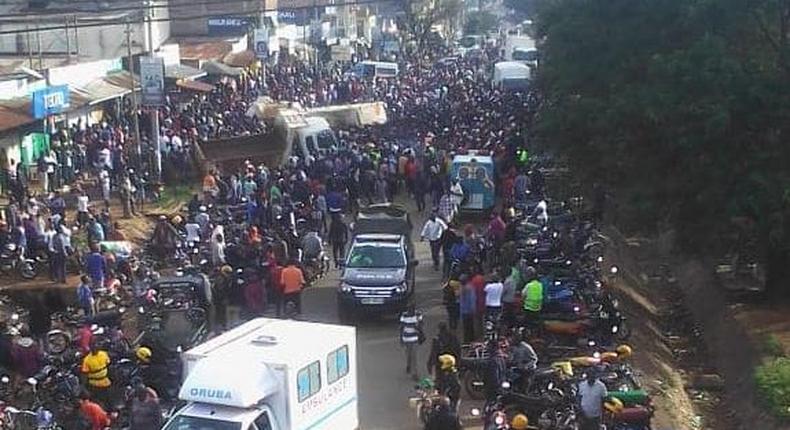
(697, 351)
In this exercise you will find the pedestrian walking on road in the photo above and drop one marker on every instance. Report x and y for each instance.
(450, 293)
(338, 236)
(432, 230)
(411, 336)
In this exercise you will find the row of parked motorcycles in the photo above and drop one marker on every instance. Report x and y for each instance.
(132, 310)
(580, 329)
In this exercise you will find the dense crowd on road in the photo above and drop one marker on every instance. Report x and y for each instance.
(253, 238)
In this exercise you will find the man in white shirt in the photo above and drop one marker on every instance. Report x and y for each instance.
(541, 213)
(432, 231)
(591, 394)
(493, 291)
(193, 232)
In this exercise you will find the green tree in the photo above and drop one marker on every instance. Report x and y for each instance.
(480, 23)
(422, 17)
(679, 108)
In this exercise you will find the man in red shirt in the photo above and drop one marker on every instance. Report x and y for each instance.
(292, 281)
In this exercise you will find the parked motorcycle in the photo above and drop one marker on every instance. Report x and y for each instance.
(12, 262)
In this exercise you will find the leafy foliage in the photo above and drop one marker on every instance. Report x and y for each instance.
(420, 17)
(679, 108)
(480, 23)
(773, 384)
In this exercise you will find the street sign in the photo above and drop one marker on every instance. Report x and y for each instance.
(261, 43)
(152, 80)
(50, 101)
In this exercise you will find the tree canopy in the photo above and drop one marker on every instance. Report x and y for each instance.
(680, 108)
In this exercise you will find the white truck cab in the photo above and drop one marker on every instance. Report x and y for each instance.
(305, 136)
(271, 374)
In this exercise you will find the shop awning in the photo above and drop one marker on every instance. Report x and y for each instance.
(15, 113)
(195, 86)
(123, 79)
(215, 68)
(239, 59)
(99, 90)
(183, 72)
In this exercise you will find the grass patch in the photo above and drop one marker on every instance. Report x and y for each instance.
(772, 346)
(773, 384)
(175, 196)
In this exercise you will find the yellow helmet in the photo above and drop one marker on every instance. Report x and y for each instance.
(624, 351)
(143, 354)
(519, 422)
(176, 219)
(613, 405)
(446, 361)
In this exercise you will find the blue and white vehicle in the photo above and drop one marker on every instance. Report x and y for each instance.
(271, 374)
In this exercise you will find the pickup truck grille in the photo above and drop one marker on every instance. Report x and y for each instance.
(362, 292)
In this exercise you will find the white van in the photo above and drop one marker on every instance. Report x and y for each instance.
(271, 374)
(511, 76)
(375, 69)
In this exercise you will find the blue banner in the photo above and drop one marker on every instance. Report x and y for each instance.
(229, 25)
(50, 101)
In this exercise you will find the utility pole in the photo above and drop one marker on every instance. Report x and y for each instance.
(154, 111)
(40, 55)
(29, 47)
(76, 38)
(68, 40)
(135, 108)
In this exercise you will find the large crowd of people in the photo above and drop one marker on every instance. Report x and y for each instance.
(263, 227)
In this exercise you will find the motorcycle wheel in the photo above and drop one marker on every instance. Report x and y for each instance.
(624, 331)
(474, 385)
(28, 271)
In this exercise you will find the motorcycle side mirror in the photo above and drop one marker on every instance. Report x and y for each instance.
(475, 412)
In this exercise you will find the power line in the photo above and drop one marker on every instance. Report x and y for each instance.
(142, 6)
(180, 18)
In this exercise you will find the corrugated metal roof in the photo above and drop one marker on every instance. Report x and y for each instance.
(217, 68)
(181, 71)
(123, 79)
(100, 90)
(204, 50)
(12, 117)
(239, 59)
(195, 85)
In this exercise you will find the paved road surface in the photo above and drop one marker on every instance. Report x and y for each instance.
(384, 386)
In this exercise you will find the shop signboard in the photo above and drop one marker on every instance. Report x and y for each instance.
(152, 78)
(50, 101)
(229, 25)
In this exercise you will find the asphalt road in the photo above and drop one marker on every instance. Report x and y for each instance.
(384, 386)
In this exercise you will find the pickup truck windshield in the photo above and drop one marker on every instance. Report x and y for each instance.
(183, 422)
(364, 256)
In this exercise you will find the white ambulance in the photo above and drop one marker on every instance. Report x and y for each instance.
(271, 374)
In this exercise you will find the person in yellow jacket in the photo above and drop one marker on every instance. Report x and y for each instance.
(95, 367)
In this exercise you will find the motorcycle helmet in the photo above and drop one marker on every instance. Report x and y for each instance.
(446, 362)
(226, 270)
(613, 405)
(143, 354)
(519, 422)
(624, 351)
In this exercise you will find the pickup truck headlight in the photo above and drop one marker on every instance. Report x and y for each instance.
(401, 288)
(345, 288)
